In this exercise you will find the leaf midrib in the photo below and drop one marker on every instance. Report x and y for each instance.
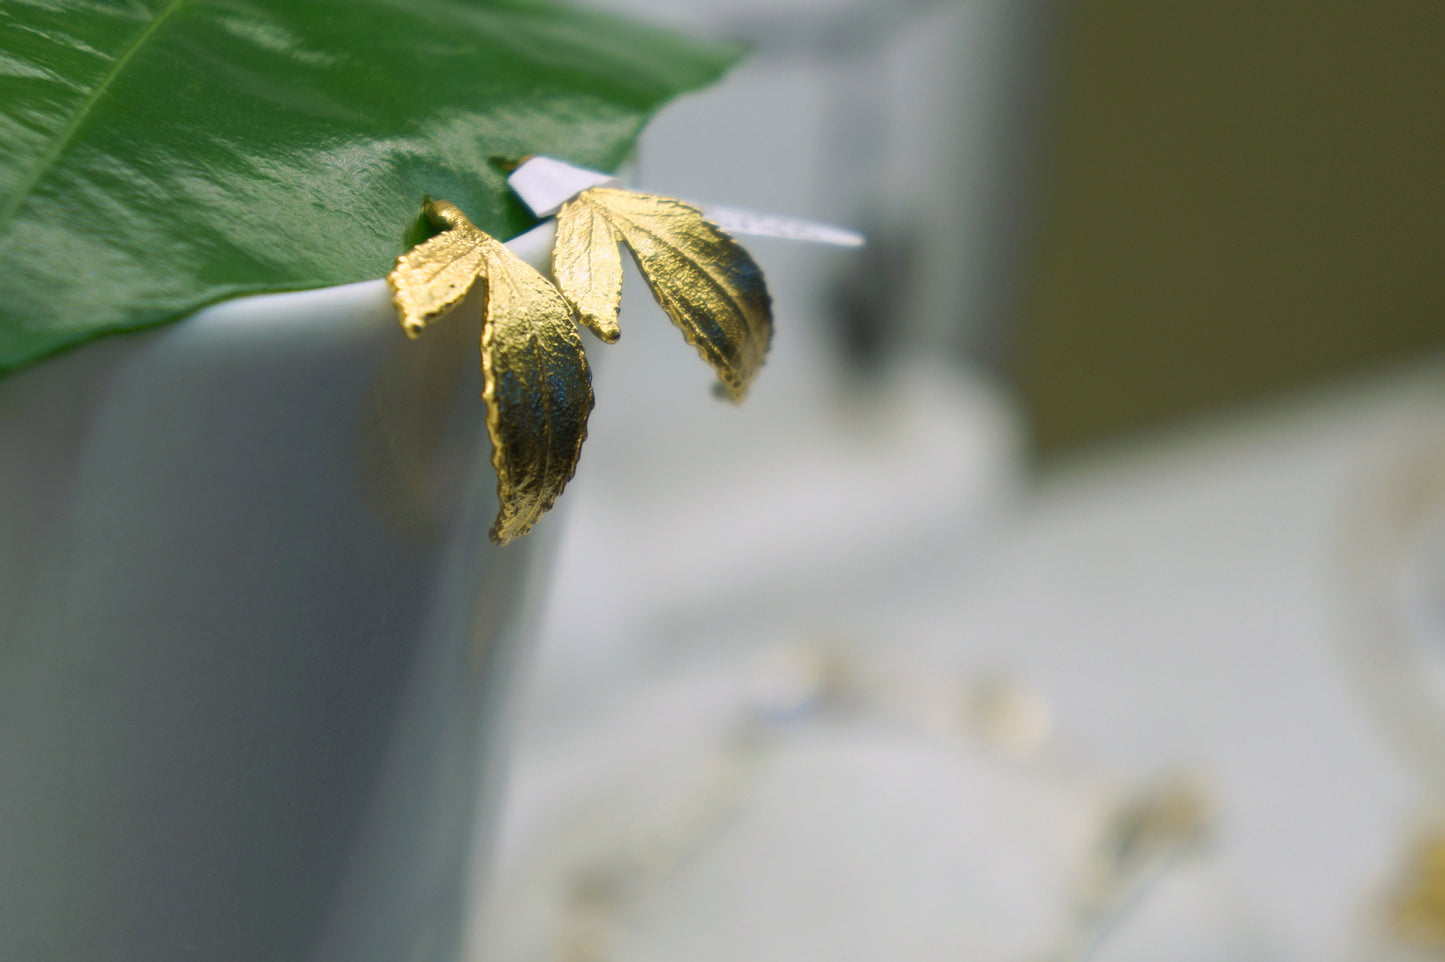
(62, 140)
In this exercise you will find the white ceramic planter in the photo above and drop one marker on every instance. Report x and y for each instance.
(254, 642)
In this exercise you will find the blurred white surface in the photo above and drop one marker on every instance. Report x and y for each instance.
(1178, 603)
(1175, 604)
(256, 652)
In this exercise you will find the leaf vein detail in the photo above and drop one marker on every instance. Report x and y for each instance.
(48, 159)
(718, 284)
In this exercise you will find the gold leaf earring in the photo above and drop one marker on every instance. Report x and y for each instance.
(536, 383)
(704, 280)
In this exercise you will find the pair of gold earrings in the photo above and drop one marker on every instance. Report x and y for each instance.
(536, 383)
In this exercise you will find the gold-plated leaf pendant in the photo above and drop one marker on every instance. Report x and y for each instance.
(703, 279)
(536, 384)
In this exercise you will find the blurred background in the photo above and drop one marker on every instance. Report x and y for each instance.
(1072, 583)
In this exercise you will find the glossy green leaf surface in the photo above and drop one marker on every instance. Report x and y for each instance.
(160, 155)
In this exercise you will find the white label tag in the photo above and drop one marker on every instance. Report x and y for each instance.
(736, 221)
(545, 184)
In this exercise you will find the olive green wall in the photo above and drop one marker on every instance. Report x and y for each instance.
(1238, 195)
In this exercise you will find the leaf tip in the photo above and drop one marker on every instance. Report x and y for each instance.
(605, 328)
(729, 391)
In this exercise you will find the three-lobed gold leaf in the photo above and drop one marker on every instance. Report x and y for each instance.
(537, 386)
(704, 280)
(536, 383)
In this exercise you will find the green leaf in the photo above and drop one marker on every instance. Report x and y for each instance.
(159, 156)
